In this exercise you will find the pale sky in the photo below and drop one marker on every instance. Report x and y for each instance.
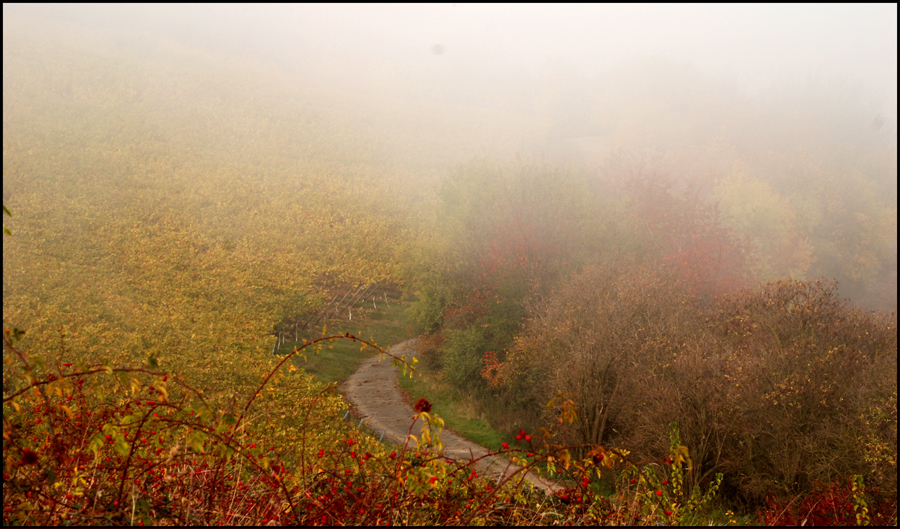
(755, 45)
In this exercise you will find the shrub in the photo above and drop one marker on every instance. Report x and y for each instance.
(596, 337)
(158, 455)
(462, 357)
(428, 348)
(813, 381)
(776, 387)
(840, 503)
(427, 310)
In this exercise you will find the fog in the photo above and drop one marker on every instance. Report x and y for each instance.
(529, 59)
(695, 90)
(424, 48)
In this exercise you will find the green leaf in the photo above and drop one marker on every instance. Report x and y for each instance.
(121, 445)
(195, 442)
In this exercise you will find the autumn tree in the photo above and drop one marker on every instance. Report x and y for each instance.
(689, 234)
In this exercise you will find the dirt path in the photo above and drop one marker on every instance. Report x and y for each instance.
(375, 397)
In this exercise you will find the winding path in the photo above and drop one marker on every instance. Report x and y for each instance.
(376, 400)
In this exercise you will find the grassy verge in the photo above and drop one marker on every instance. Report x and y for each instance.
(336, 361)
(459, 411)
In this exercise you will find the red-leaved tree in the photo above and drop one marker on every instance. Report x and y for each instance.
(688, 233)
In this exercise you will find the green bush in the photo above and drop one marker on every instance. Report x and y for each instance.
(427, 311)
(463, 357)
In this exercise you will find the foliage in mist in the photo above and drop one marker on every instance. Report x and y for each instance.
(608, 239)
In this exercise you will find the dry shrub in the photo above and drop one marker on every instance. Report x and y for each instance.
(814, 381)
(778, 387)
(596, 337)
(785, 387)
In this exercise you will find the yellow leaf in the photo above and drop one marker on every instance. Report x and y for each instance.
(68, 411)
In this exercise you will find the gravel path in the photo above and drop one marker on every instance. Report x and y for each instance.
(375, 397)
